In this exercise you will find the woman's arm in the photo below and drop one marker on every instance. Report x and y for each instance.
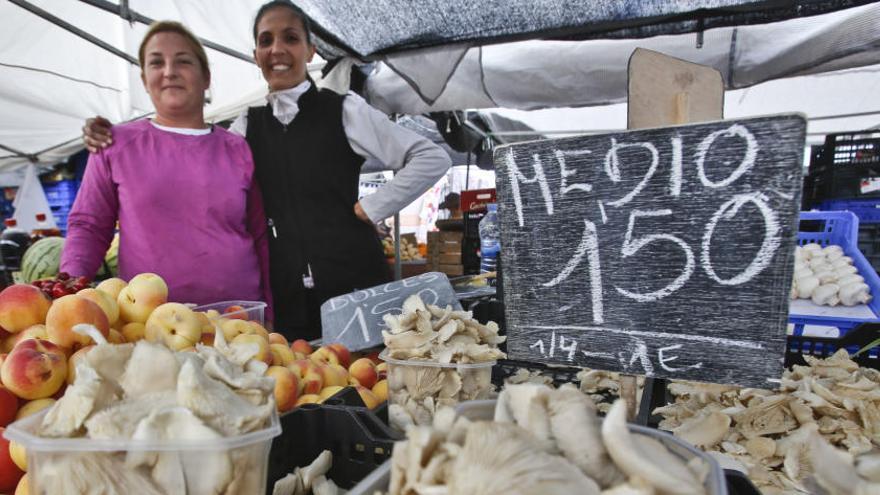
(372, 135)
(92, 220)
(256, 225)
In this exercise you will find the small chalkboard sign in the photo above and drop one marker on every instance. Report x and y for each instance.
(355, 319)
(666, 252)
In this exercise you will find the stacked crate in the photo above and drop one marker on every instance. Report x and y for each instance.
(444, 253)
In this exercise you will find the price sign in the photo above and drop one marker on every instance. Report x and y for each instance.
(355, 319)
(665, 252)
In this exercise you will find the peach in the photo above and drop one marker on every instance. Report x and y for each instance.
(143, 294)
(9, 472)
(380, 390)
(312, 382)
(234, 328)
(343, 353)
(369, 398)
(298, 356)
(112, 287)
(364, 371)
(308, 399)
(259, 330)
(115, 337)
(382, 370)
(132, 332)
(8, 406)
(22, 306)
(72, 310)
(75, 358)
(277, 338)
(374, 357)
(34, 369)
(334, 375)
(328, 392)
(263, 352)
(235, 312)
(32, 332)
(34, 407)
(102, 299)
(286, 387)
(300, 345)
(281, 354)
(18, 454)
(23, 487)
(325, 355)
(174, 325)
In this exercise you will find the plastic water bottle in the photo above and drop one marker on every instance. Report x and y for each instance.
(490, 239)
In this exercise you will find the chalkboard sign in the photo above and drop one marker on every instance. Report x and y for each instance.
(665, 252)
(355, 320)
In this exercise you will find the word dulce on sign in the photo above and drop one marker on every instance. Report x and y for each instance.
(355, 319)
(665, 252)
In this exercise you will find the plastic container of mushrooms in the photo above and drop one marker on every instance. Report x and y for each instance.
(483, 410)
(59, 466)
(416, 389)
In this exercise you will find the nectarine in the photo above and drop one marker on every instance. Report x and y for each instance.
(144, 293)
(22, 306)
(72, 310)
(302, 346)
(364, 370)
(9, 472)
(112, 287)
(286, 387)
(8, 406)
(35, 369)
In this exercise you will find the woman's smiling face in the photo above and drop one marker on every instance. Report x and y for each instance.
(283, 50)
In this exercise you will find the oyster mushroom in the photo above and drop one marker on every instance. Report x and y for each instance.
(576, 430)
(705, 430)
(635, 463)
(504, 458)
(155, 361)
(88, 393)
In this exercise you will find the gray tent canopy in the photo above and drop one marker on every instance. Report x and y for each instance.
(367, 29)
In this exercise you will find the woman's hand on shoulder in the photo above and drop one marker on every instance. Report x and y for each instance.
(96, 134)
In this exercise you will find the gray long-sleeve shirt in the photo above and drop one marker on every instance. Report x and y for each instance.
(372, 135)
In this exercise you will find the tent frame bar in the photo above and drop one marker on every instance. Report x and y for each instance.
(74, 30)
(125, 12)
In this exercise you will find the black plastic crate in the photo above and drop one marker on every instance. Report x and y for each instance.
(359, 439)
(822, 347)
(845, 149)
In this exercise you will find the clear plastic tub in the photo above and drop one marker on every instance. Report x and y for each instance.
(80, 464)
(484, 410)
(413, 383)
(250, 310)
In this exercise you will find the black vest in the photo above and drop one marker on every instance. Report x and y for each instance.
(309, 178)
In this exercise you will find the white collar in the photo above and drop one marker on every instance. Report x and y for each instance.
(284, 102)
(182, 130)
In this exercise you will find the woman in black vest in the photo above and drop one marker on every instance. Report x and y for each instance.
(308, 146)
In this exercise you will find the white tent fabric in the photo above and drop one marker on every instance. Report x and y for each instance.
(30, 201)
(51, 80)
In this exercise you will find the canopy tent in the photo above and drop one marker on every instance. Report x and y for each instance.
(445, 54)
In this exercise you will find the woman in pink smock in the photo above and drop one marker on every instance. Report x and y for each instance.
(183, 191)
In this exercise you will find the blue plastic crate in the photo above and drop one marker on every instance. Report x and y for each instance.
(868, 210)
(841, 228)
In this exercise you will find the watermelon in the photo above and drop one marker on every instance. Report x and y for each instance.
(42, 259)
(110, 267)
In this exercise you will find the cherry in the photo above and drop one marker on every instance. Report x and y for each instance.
(63, 276)
(59, 291)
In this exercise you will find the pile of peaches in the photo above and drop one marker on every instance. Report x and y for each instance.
(39, 350)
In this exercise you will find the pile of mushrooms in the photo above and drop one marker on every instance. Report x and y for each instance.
(432, 341)
(603, 387)
(827, 277)
(542, 441)
(146, 392)
(309, 480)
(768, 434)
